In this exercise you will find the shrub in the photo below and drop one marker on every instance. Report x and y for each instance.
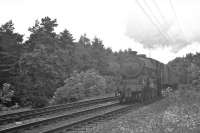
(6, 95)
(79, 86)
(112, 83)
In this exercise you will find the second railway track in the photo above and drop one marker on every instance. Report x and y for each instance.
(48, 122)
(23, 115)
(59, 114)
(68, 120)
(84, 120)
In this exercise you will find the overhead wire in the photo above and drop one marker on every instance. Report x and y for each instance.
(159, 11)
(161, 14)
(157, 20)
(175, 14)
(149, 17)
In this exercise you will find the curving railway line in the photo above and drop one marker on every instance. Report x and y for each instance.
(23, 115)
(96, 116)
(61, 117)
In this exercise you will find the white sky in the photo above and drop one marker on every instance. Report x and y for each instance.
(121, 24)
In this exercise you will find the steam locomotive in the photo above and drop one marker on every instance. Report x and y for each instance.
(144, 78)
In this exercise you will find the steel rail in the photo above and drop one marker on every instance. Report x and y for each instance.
(74, 123)
(48, 120)
(17, 116)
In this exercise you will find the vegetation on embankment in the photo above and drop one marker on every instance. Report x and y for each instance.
(177, 113)
(81, 86)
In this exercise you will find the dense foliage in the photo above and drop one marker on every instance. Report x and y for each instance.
(46, 60)
(79, 86)
(187, 67)
(10, 52)
(6, 94)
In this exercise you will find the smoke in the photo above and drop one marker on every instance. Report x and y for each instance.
(172, 34)
(152, 38)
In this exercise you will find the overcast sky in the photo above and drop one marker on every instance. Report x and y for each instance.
(157, 28)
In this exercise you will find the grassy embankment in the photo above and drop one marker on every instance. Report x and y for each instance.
(179, 112)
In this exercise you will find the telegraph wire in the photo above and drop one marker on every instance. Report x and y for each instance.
(175, 14)
(156, 19)
(151, 11)
(148, 16)
(161, 14)
(159, 10)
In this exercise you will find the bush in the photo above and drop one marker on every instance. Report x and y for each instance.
(6, 95)
(112, 83)
(39, 102)
(79, 86)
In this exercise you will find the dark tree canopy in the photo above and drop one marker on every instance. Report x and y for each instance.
(10, 51)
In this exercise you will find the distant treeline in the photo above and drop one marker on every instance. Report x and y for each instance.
(188, 67)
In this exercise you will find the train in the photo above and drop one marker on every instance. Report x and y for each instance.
(143, 79)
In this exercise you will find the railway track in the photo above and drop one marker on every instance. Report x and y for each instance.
(23, 115)
(69, 121)
(74, 110)
(84, 120)
(64, 117)
(48, 122)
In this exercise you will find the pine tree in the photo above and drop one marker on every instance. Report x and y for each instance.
(67, 51)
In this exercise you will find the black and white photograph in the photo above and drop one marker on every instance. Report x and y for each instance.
(99, 66)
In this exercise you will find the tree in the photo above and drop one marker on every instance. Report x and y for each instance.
(10, 51)
(43, 35)
(67, 39)
(84, 40)
(187, 67)
(98, 54)
(41, 66)
(67, 51)
(83, 59)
